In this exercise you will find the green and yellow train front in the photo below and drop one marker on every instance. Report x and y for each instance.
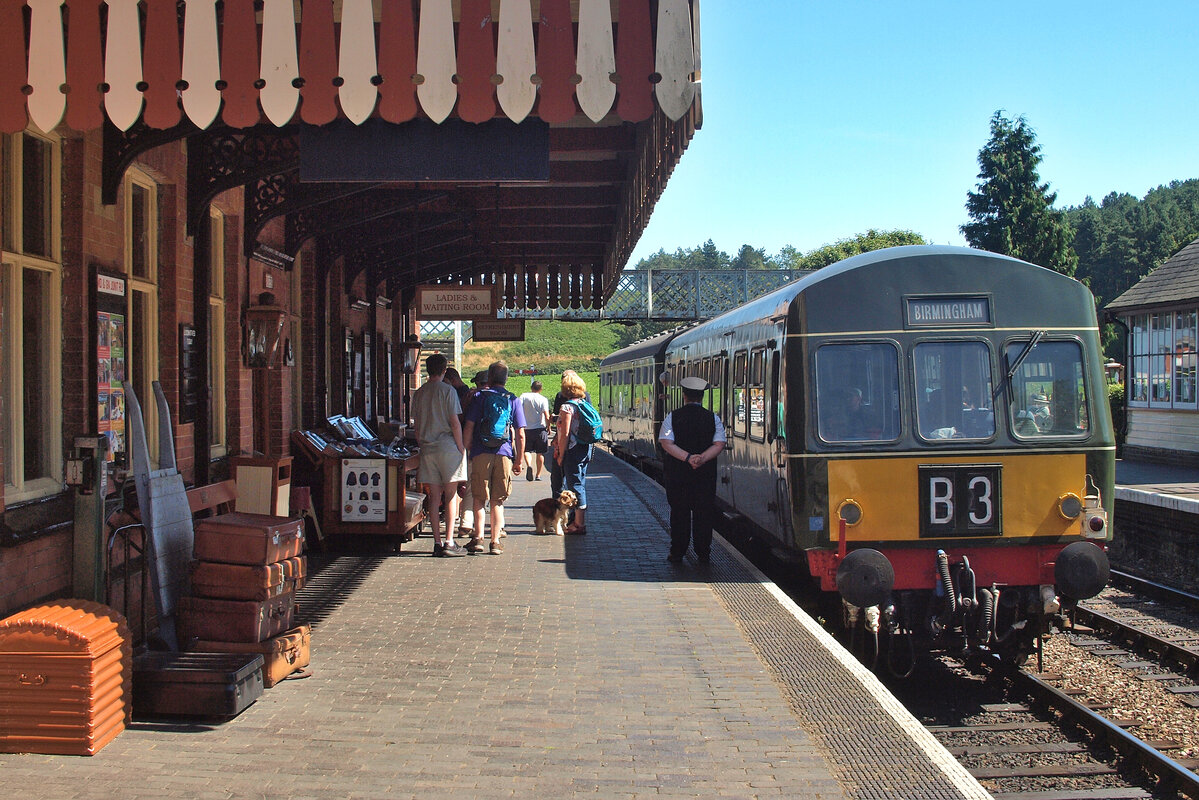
(948, 432)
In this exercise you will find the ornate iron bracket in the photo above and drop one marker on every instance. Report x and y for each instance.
(225, 159)
(122, 147)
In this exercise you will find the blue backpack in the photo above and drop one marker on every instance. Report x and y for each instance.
(591, 429)
(495, 425)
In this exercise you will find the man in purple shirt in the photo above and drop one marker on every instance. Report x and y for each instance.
(491, 468)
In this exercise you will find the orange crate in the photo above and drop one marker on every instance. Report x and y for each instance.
(66, 678)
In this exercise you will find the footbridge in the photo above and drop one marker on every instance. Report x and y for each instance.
(662, 295)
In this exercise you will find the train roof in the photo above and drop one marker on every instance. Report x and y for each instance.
(882, 284)
(645, 348)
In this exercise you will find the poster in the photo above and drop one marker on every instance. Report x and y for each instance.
(364, 490)
(110, 380)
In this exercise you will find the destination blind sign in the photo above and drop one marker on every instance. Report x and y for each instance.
(947, 312)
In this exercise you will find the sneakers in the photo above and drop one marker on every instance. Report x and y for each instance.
(453, 551)
(495, 549)
(438, 550)
(474, 546)
(528, 473)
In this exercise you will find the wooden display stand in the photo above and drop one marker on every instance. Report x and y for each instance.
(263, 485)
(404, 511)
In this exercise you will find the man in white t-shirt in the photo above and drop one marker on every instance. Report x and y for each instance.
(537, 417)
(435, 410)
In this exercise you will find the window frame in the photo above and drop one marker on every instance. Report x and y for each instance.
(14, 263)
(1158, 370)
(142, 289)
(217, 314)
(1088, 400)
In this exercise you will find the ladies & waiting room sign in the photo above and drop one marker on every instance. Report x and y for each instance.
(455, 302)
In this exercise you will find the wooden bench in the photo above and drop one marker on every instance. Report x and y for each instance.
(213, 499)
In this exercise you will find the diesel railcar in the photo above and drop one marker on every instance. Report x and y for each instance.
(926, 428)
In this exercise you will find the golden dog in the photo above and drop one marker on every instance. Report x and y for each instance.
(551, 516)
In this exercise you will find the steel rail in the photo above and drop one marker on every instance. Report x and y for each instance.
(1156, 590)
(1186, 657)
(1164, 768)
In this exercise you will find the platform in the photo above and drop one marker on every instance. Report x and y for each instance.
(583, 666)
(1161, 485)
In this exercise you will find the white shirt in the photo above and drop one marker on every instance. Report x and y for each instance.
(667, 430)
(536, 406)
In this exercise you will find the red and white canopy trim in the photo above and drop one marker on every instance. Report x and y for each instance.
(318, 60)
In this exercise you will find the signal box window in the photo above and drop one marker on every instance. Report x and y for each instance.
(857, 392)
(1048, 393)
(953, 390)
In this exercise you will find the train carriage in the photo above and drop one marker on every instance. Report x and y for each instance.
(927, 426)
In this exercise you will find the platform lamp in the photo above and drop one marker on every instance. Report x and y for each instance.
(410, 355)
(264, 327)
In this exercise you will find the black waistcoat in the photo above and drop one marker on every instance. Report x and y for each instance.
(694, 428)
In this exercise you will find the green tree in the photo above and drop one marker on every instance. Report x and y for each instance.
(1012, 211)
(862, 243)
(749, 257)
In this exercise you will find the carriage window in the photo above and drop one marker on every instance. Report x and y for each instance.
(857, 392)
(953, 390)
(739, 409)
(757, 397)
(1048, 392)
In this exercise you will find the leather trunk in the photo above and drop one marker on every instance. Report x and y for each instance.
(234, 620)
(256, 539)
(283, 654)
(247, 581)
(205, 685)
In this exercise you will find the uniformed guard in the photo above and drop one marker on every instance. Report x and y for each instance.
(691, 438)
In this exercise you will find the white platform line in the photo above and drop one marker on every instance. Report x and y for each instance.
(958, 775)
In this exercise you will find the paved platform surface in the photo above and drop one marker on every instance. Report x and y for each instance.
(1162, 485)
(578, 666)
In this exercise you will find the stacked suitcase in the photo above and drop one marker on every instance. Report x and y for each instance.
(244, 579)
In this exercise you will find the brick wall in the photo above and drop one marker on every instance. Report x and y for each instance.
(34, 571)
(1161, 544)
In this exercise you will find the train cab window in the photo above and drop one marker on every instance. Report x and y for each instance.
(1048, 393)
(757, 396)
(953, 390)
(740, 396)
(857, 392)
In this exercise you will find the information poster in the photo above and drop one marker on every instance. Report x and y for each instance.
(364, 490)
(110, 380)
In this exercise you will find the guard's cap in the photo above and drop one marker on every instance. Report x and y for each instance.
(480, 376)
(694, 384)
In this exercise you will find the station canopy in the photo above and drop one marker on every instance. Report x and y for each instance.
(521, 142)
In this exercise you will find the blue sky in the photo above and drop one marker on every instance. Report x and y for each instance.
(825, 118)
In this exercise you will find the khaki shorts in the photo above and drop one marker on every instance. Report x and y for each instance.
(439, 467)
(490, 478)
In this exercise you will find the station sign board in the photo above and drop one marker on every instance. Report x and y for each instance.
(455, 302)
(498, 330)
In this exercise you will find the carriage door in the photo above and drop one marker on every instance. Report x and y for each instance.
(777, 439)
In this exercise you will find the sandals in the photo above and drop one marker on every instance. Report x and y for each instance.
(581, 530)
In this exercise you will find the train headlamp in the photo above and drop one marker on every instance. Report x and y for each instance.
(1096, 522)
(850, 511)
(1069, 505)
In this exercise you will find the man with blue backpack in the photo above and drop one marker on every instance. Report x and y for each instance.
(494, 426)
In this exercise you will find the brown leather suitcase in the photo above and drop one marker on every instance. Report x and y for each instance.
(247, 581)
(239, 538)
(206, 685)
(284, 654)
(234, 620)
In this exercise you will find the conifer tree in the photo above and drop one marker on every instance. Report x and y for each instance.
(1012, 211)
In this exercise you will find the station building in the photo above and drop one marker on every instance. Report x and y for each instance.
(1162, 315)
(239, 201)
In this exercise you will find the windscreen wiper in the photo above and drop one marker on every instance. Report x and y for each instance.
(1037, 336)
